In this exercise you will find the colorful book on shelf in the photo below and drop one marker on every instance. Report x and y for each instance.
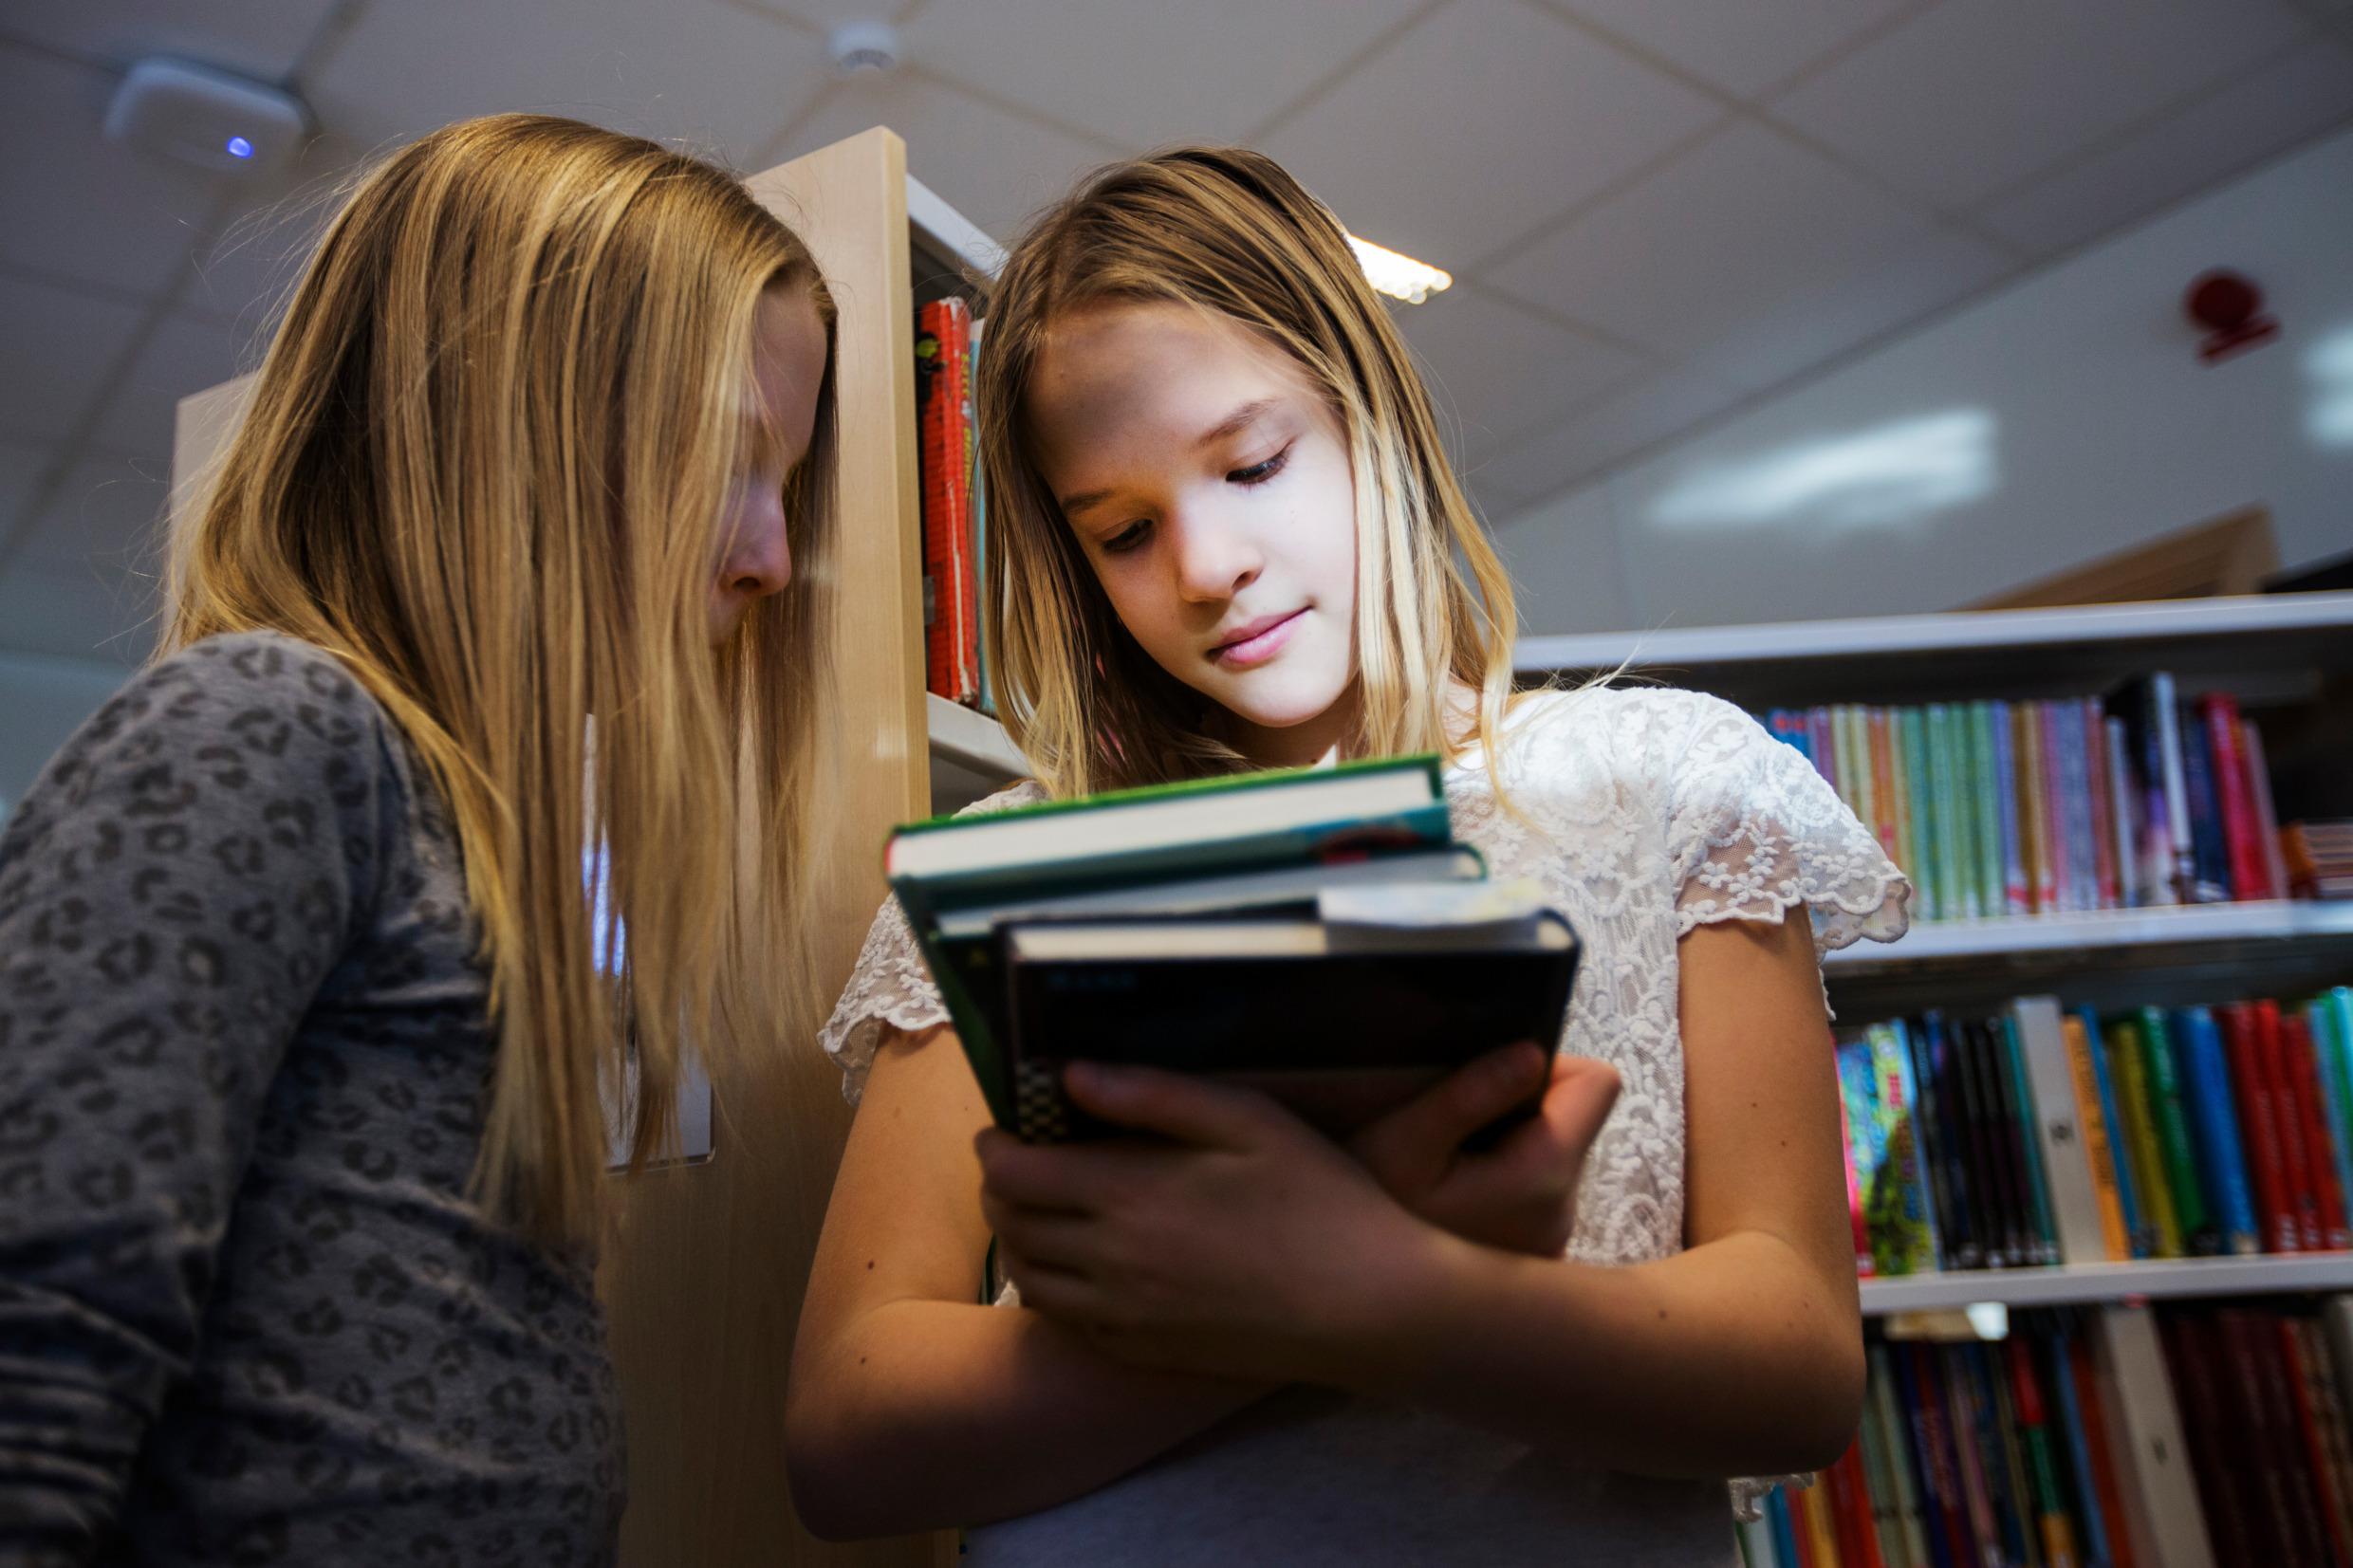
(2128, 1063)
(2218, 1429)
(2218, 716)
(1986, 786)
(2034, 1182)
(2061, 1118)
(2169, 1109)
(1904, 1225)
(2138, 1238)
(2301, 1160)
(2017, 893)
(2210, 855)
(2331, 1041)
(2124, 807)
(2154, 1458)
(1921, 822)
(944, 452)
(2220, 1153)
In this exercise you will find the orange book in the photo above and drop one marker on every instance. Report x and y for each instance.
(1884, 784)
(2033, 826)
(1817, 1528)
(2093, 1124)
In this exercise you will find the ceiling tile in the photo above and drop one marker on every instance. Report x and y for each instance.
(78, 613)
(715, 78)
(56, 347)
(21, 466)
(993, 167)
(100, 522)
(1653, 409)
(2280, 106)
(1478, 125)
(259, 38)
(183, 354)
(1975, 96)
(1148, 74)
(1751, 252)
(1744, 48)
(1567, 563)
(73, 204)
(1495, 368)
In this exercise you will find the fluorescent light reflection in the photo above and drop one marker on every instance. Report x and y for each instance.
(1397, 275)
(2330, 422)
(1885, 476)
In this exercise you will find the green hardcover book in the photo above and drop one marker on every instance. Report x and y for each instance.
(2198, 1233)
(1943, 787)
(1912, 756)
(1927, 824)
(2019, 1101)
(1956, 803)
(2127, 1064)
(1984, 777)
(1899, 770)
(1165, 834)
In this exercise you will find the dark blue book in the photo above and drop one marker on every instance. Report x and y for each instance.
(2078, 1448)
(2213, 1122)
(2210, 846)
(1944, 1108)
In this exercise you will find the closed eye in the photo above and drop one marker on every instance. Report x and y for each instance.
(1258, 474)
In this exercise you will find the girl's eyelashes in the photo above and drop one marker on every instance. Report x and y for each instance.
(1258, 474)
(1127, 538)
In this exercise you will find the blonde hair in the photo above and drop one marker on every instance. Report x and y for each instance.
(1226, 230)
(484, 464)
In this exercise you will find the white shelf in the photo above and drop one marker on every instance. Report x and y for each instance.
(948, 234)
(2031, 1287)
(970, 756)
(1930, 940)
(1976, 653)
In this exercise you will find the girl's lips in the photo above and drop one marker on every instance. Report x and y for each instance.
(1259, 646)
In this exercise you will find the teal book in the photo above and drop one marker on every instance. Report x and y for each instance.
(1927, 824)
(1986, 831)
(1951, 849)
(1172, 834)
(2020, 1104)
(2330, 1019)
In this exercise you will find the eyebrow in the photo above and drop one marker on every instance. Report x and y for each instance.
(1232, 424)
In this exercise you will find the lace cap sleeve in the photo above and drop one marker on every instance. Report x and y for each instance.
(1755, 830)
(891, 987)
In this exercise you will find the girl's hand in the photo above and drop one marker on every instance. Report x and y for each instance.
(1232, 1240)
(1519, 1195)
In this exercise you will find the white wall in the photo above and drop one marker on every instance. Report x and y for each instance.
(2065, 418)
(41, 701)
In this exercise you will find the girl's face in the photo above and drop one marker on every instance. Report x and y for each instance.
(787, 369)
(1207, 481)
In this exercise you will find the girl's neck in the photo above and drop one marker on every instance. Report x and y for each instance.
(1308, 744)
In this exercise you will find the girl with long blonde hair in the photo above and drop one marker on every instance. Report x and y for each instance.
(321, 943)
(1223, 535)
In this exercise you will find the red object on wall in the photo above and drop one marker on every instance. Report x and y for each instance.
(2229, 306)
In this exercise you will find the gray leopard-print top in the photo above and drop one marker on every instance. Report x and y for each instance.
(248, 1312)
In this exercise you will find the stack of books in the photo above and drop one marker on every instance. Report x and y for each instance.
(2183, 1437)
(2320, 858)
(2043, 1137)
(1998, 808)
(1319, 934)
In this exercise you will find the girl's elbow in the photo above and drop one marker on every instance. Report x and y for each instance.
(821, 1468)
(1825, 1419)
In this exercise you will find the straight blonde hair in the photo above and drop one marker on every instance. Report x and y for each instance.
(1228, 231)
(484, 465)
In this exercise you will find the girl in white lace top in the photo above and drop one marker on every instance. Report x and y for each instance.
(1222, 534)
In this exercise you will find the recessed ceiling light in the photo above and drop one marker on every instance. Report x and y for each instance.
(1400, 277)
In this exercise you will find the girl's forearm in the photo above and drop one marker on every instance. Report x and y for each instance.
(934, 1415)
(1733, 1359)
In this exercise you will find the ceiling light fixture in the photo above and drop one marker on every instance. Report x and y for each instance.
(1400, 277)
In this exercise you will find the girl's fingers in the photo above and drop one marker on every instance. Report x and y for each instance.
(1412, 1146)
(1175, 1105)
(1056, 1292)
(1046, 1177)
(1063, 1242)
(1583, 1093)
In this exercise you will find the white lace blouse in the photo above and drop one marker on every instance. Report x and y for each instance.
(1645, 812)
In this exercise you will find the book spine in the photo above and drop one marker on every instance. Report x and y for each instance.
(2098, 1156)
(1912, 1230)
(1909, 1535)
(2129, 1527)
(2017, 896)
(2138, 1236)
(1824, 747)
(2210, 857)
(1927, 1139)
(1970, 1451)
(1854, 1118)
(1986, 831)
(2124, 807)
(2103, 805)
(1882, 818)
(2127, 1061)
(2267, 811)
(2284, 1486)
(2020, 1143)
(1993, 1215)
(1819, 1525)
(2217, 1427)
(2336, 1440)
(2156, 1460)
(2165, 725)
(2026, 1398)
(2034, 797)
(1961, 1222)
(2083, 830)
(1912, 732)
(2063, 1121)
(2218, 711)
(944, 447)
(1855, 746)
(2301, 1054)
(1951, 847)
(1941, 1504)
(2329, 1054)
(2199, 1232)
(2077, 1441)
(2301, 1194)
(2311, 1441)
(1907, 856)
(2259, 1117)
(2007, 1453)
(2221, 1155)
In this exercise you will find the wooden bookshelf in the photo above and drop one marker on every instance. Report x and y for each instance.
(2082, 1282)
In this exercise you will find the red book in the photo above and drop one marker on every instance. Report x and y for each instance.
(2320, 1371)
(2281, 1481)
(1864, 1264)
(2103, 1484)
(2103, 807)
(2302, 1063)
(2302, 1195)
(1850, 1511)
(2220, 1433)
(2314, 1437)
(944, 448)
(2258, 1120)
(2241, 833)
